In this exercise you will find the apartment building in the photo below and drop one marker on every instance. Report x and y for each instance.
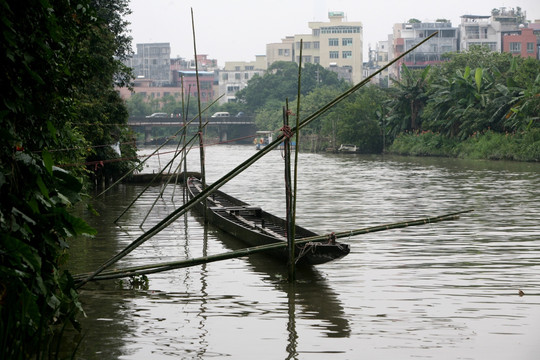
(477, 30)
(283, 51)
(486, 30)
(335, 44)
(378, 58)
(523, 42)
(152, 61)
(235, 76)
(206, 80)
(430, 52)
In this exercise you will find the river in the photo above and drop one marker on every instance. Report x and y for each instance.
(440, 291)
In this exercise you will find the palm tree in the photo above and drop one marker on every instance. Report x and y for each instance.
(408, 98)
(458, 104)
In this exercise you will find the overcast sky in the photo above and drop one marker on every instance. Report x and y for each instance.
(237, 30)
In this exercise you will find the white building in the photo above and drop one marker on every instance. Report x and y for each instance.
(486, 30)
(335, 44)
(235, 76)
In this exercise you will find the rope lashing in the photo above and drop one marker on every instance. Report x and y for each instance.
(287, 132)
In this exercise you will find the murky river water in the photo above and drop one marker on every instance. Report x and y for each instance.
(441, 291)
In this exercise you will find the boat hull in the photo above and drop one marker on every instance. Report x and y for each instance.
(256, 227)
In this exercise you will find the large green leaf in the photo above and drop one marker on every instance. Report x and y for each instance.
(478, 78)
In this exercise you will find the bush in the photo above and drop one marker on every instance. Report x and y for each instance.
(34, 227)
(425, 143)
(488, 145)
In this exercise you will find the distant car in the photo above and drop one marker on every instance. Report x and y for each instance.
(240, 114)
(221, 114)
(157, 115)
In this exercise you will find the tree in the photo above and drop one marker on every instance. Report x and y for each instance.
(59, 63)
(475, 57)
(280, 82)
(358, 121)
(408, 98)
(459, 106)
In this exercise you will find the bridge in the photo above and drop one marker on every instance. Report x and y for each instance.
(243, 126)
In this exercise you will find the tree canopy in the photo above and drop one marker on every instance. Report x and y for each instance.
(60, 62)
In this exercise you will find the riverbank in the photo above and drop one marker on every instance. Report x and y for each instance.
(488, 145)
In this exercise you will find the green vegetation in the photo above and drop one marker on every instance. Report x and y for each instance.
(522, 146)
(479, 104)
(458, 108)
(59, 113)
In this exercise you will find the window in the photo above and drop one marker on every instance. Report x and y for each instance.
(346, 41)
(341, 30)
(280, 52)
(246, 76)
(346, 54)
(316, 59)
(515, 47)
(334, 54)
(249, 68)
(237, 76)
(333, 42)
(530, 47)
(225, 76)
(448, 33)
(315, 44)
(287, 52)
(306, 59)
(307, 45)
(232, 89)
(237, 68)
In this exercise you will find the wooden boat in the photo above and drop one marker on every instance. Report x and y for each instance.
(256, 227)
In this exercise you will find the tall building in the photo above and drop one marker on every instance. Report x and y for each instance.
(158, 76)
(335, 44)
(152, 61)
(236, 74)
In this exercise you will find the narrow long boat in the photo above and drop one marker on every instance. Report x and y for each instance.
(256, 227)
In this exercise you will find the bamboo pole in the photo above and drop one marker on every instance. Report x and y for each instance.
(150, 184)
(288, 196)
(129, 172)
(160, 195)
(184, 135)
(240, 168)
(292, 273)
(155, 268)
(201, 141)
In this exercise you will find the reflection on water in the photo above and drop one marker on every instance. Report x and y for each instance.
(442, 291)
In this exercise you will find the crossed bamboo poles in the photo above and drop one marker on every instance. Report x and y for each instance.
(169, 219)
